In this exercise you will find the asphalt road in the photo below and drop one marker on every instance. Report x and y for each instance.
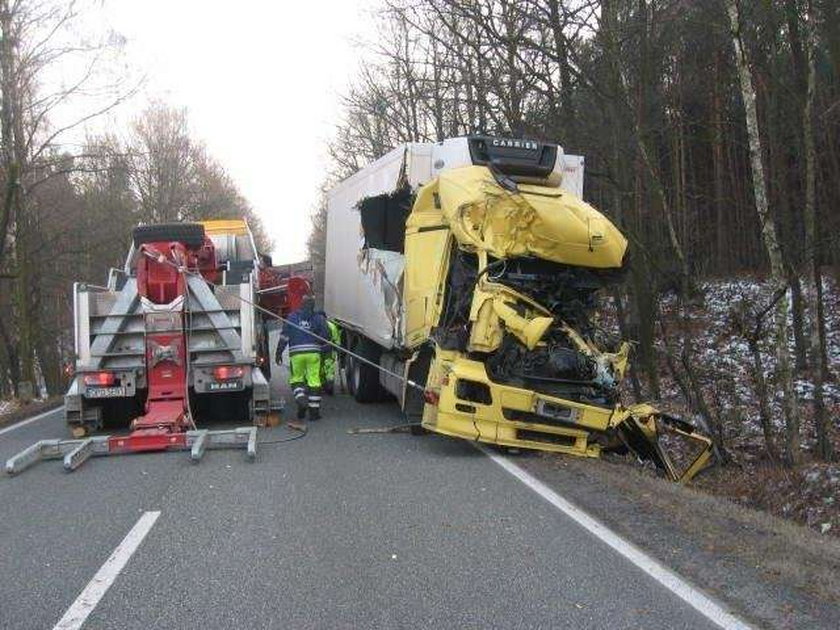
(330, 531)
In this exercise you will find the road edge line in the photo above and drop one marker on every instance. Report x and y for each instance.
(77, 614)
(693, 596)
(22, 423)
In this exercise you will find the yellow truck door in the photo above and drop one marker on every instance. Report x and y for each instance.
(428, 245)
(426, 264)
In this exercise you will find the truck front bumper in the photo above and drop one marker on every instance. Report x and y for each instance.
(472, 407)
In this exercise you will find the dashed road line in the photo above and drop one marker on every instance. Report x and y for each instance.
(87, 600)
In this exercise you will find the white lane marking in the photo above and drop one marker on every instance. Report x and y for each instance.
(23, 423)
(701, 602)
(87, 600)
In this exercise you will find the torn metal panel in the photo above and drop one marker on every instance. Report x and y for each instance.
(381, 279)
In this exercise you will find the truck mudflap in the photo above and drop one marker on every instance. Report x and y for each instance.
(466, 404)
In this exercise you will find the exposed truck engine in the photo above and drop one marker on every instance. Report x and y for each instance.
(473, 267)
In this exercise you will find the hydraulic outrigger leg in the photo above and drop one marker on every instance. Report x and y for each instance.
(77, 452)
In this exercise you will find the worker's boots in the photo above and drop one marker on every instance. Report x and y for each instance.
(314, 413)
(301, 401)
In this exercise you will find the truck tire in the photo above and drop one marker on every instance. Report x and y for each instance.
(363, 379)
(190, 234)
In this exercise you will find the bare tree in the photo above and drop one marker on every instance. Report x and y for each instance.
(812, 249)
(35, 39)
(768, 231)
(162, 163)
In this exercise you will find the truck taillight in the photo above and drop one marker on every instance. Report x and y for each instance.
(102, 379)
(228, 372)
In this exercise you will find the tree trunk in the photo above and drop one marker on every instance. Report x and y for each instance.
(723, 256)
(698, 397)
(622, 327)
(562, 59)
(646, 298)
(768, 231)
(22, 303)
(818, 355)
(8, 104)
(764, 416)
(792, 223)
(11, 355)
(798, 312)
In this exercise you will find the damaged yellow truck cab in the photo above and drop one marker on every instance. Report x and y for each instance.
(500, 286)
(465, 209)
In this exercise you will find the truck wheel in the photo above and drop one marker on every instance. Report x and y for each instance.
(363, 379)
(190, 234)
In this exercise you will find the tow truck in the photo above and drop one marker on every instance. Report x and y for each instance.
(176, 339)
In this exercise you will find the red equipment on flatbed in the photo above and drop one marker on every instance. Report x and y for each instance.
(178, 334)
(284, 287)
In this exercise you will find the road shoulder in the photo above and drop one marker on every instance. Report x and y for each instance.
(30, 410)
(776, 574)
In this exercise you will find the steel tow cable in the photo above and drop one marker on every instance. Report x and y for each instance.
(329, 342)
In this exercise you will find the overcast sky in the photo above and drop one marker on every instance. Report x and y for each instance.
(260, 80)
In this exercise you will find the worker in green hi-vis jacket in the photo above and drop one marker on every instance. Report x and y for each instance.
(329, 356)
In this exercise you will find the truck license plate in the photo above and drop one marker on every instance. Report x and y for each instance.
(105, 392)
(550, 410)
(225, 386)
